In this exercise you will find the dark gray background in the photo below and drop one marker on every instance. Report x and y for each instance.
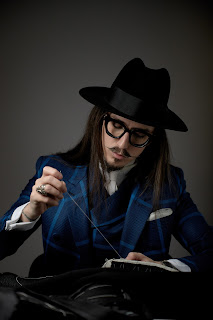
(51, 49)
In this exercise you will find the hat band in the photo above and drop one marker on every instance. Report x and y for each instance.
(125, 102)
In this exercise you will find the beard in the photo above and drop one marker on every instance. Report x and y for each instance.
(112, 167)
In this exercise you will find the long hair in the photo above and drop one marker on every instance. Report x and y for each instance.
(153, 168)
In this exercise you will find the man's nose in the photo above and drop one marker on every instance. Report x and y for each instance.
(123, 142)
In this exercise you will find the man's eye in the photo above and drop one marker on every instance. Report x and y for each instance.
(139, 134)
(117, 125)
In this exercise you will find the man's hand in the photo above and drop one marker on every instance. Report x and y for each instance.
(54, 188)
(140, 257)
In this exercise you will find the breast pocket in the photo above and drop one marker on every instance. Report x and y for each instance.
(159, 214)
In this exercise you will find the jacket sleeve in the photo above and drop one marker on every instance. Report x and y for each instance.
(10, 241)
(193, 232)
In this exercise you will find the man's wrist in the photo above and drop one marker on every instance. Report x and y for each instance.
(28, 218)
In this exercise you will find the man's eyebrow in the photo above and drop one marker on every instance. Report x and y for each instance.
(135, 128)
(144, 129)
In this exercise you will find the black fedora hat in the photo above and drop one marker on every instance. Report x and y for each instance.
(140, 94)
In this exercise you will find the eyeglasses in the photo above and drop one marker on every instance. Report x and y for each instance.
(116, 129)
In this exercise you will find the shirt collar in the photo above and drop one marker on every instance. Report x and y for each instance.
(118, 175)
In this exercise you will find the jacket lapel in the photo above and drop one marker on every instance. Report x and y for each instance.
(137, 214)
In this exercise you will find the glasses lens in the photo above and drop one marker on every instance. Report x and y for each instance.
(138, 138)
(115, 128)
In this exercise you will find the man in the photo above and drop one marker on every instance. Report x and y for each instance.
(115, 195)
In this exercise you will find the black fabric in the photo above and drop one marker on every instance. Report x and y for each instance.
(136, 294)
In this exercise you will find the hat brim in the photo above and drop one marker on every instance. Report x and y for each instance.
(165, 118)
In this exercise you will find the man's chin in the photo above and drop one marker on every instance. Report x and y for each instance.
(113, 166)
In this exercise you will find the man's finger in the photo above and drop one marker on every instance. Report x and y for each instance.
(49, 171)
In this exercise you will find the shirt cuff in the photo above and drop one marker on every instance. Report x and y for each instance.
(180, 265)
(13, 223)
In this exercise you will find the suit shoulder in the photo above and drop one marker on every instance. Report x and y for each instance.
(55, 161)
(176, 171)
(178, 179)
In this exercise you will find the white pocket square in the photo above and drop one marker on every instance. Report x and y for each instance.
(161, 213)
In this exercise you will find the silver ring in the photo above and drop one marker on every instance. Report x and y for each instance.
(41, 190)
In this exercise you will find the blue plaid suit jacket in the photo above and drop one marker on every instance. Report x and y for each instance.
(67, 232)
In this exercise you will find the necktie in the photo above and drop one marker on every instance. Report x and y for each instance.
(112, 185)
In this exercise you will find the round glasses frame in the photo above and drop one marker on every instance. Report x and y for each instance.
(107, 119)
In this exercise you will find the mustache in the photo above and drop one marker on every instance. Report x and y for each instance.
(122, 152)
